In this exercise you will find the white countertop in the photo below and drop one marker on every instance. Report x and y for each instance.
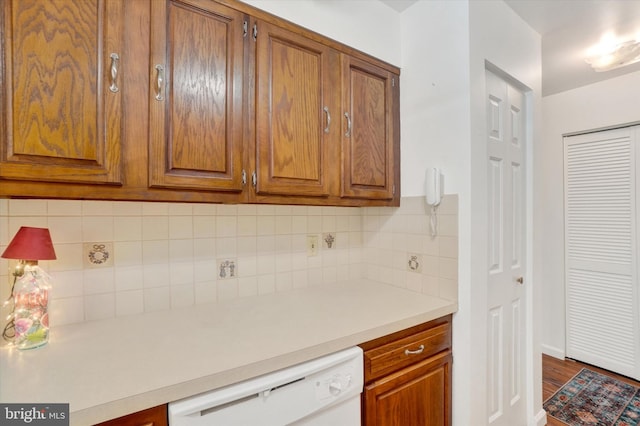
(106, 369)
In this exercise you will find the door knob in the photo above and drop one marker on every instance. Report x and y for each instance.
(520, 280)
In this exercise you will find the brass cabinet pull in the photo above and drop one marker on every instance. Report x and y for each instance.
(326, 110)
(416, 352)
(159, 82)
(520, 280)
(114, 72)
(348, 133)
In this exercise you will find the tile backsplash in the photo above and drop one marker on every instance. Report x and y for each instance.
(124, 258)
(399, 248)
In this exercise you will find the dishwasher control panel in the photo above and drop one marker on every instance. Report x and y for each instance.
(319, 392)
(334, 385)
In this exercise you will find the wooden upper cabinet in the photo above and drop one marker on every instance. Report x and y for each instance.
(196, 76)
(296, 141)
(370, 120)
(61, 97)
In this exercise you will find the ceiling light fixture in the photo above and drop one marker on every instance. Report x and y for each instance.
(611, 54)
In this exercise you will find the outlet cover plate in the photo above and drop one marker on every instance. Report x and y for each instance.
(329, 240)
(414, 262)
(227, 269)
(98, 254)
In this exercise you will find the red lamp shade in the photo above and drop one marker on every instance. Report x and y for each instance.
(30, 244)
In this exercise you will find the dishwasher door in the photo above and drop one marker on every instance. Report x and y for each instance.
(321, 392)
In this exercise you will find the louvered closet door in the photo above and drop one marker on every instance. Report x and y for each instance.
(601, 256)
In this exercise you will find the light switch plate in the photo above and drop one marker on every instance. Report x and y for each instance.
(312, 245)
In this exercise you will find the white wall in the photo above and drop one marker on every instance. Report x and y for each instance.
(434, 101)
(608, 103)
(369, 26)
(499, 36)
(434, 108)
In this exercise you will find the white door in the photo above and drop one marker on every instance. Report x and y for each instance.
(506, 343)
(600, 250)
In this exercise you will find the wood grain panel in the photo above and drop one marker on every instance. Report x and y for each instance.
(54, 89)
(198, 91)
(156, 416)
(60, 122)
(418, 395)
(196, 128)
(295, 145)
(369, 146)
(392, 357)
(296, 91)
(368, 130)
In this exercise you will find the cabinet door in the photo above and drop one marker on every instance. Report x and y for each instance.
(294, 103)
(369, 121)
(61, 103)
(195, 123)
(418, 395)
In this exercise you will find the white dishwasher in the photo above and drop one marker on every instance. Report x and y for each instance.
(321, 392)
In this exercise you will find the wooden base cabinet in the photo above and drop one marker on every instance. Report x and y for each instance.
(156, 416)
(417, 395)
(408, 377)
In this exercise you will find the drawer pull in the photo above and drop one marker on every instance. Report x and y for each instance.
(416, 352)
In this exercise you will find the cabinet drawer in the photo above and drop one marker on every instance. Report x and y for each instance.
(400, 353)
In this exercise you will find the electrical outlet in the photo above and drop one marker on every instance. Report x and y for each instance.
(329, 240)
(227, 268)
(414, 262)
(312, 245)
(98, 255)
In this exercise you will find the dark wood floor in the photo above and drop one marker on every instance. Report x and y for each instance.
(556, 372)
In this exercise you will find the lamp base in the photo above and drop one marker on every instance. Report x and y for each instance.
(31, 317)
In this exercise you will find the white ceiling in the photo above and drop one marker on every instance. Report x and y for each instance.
(568, 29)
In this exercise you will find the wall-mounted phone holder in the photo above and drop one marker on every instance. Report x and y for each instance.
(433, 183)
(433, 186)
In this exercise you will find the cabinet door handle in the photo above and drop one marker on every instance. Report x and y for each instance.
(348, 133)
(416, 352)
(114, 72)
(159, 82)
(326, 110)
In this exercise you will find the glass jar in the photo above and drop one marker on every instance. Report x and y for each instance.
(31, 316)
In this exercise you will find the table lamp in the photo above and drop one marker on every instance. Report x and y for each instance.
(28, 325)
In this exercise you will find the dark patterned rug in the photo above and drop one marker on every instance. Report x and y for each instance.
(592, 399)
